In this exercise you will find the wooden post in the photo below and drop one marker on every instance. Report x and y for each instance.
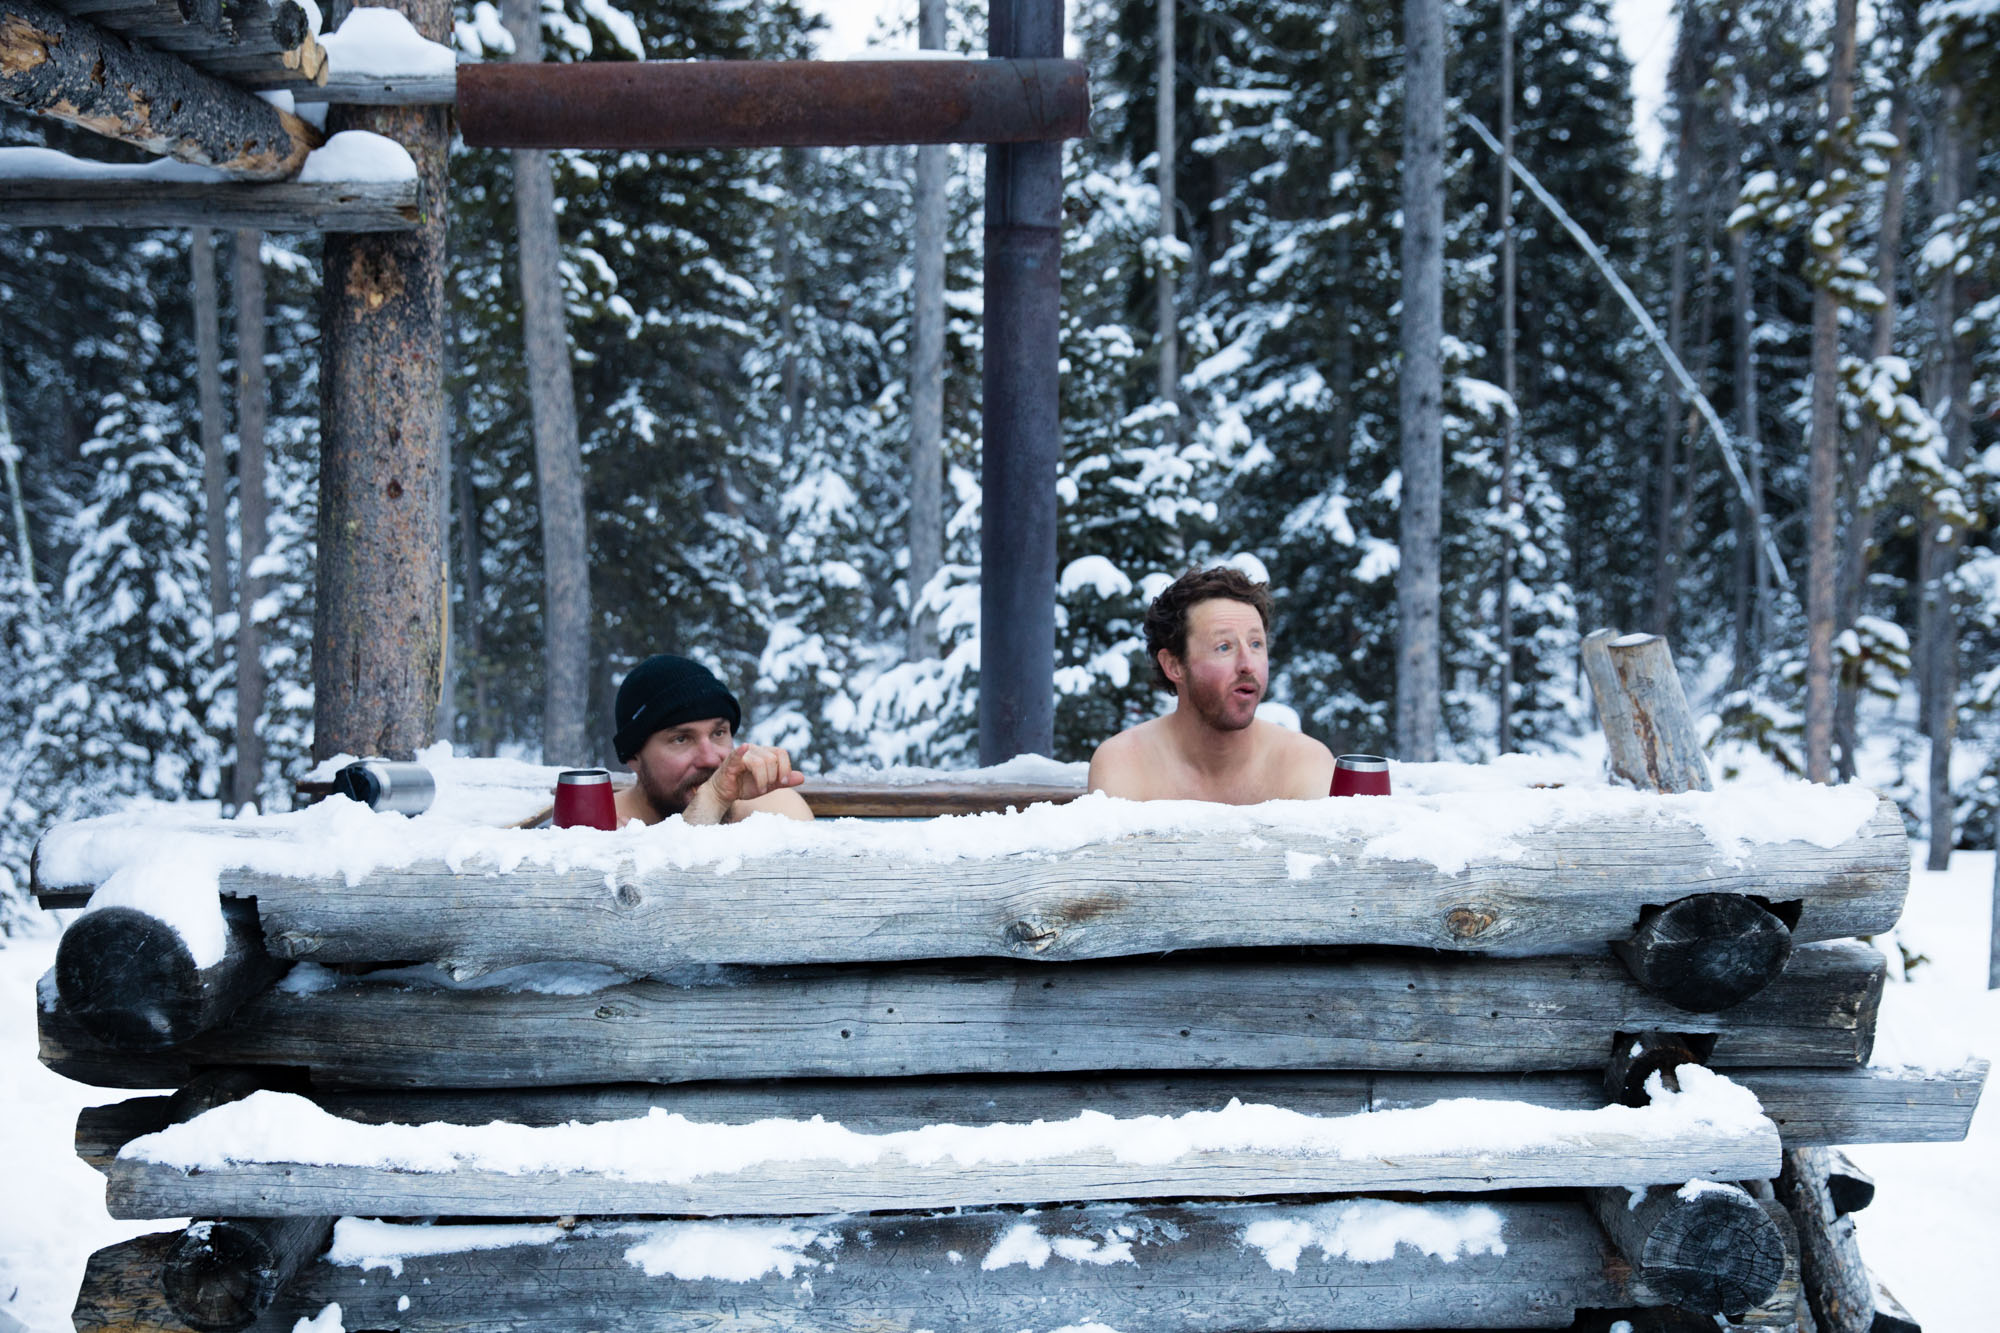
(252, 507)
(56, 65)
(1837, 1284)
(214, 463)
(1021, 427)
(1710, 1249)
(1647, 723)
(129, 980)
(379, 612)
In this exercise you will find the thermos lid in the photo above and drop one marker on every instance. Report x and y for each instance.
(1362, 763)
(582, 777)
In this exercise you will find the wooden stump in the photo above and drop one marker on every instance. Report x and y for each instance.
(1837, 1282)
(1647, 724)
(129, 980)
(1707, 952)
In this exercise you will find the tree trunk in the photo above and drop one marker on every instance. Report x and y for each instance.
(1940, 539)
(214, 462)
(1343, 319)
(1509, 501)
(926, 529)
(252, 505)
(68, 68)
(1860, 534)
(1822, 476)
(473, 597)
(10, 458)
(378, 623)
(1164, 103)
(1666, 522)
(558, 461)
(1418, 687)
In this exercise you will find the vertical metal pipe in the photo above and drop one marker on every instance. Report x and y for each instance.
(1021, 423)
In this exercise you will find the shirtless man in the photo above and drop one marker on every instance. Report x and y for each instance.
(1207, 636)
(677, 731)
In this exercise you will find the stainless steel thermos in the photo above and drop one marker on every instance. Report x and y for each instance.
(383, 784)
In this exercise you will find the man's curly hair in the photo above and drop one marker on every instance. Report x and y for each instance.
(1167, 617)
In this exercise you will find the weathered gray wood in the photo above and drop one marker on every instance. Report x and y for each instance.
(276, 206)
(379, 89)
(129, 980)
(1637, 1056)
(1890, 1316)
(1395, 1012)
(1569, 891)
(56, 65)
(1647, 724)
(223, 1273)
(1708, 951)
(1714, 1251)
(1785, 1309)
(1190, 1269)
(1837, 1284)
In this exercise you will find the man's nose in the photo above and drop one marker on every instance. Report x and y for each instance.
(713, 752)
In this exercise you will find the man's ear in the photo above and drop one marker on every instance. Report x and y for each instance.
(1171, 665)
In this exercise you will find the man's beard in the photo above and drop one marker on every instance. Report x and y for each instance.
(671, 800)
(1214, 708)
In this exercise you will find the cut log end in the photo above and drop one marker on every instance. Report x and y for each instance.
(129, 980)
(1717, 1254)
(223, 1274)
(1637, 1056)
(1707, 952)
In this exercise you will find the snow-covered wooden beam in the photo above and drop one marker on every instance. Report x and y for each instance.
(1405, 1013)
(1150, 1269)
(1561, 889)
(56, 65)
(279, 1155)
(1811, 1107)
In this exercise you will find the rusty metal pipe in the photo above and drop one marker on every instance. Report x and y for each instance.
(771, 104)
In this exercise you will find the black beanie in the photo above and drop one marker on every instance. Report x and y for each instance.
(664, 691)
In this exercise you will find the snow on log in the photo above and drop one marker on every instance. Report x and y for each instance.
(1150, 1269)
(1532, 874)
(1647, 725)
(1704, 1247)
(1406, 1013)
(1708, 951)
(1637, 1056)
(56, 65)
(224, 1272)
(136, 981)
(278, 1154)
(1811, 1107)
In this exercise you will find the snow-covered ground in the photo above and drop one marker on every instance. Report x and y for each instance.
(1933, 1223)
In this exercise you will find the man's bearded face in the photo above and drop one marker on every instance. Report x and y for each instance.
(1227, 667)
(674, 762)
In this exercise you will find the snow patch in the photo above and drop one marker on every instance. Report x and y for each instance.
(363, 1243)
(359, 157)
(724, 1251)
(382, 43)
(183, 892)
(1369, 1230)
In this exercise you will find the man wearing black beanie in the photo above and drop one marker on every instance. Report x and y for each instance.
(677, 732)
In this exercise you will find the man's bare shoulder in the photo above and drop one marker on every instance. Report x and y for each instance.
(1306, 765)
(1118, 767)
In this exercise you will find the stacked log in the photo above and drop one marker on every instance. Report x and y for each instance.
(1591, 971)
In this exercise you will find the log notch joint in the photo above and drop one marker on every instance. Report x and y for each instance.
(1708, 951)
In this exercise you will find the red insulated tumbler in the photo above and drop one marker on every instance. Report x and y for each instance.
(1361, 775)
(583, 799)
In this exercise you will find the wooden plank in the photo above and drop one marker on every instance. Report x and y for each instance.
(1190, 1268)
(928, 800)
(1811, 1107)
(1401, 1012)
(145, 202)
(377, 90)
(1571, 890)
(291, 1182)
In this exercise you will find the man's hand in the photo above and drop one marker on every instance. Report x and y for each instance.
(750, 771)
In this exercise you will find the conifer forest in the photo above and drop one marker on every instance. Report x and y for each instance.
(771, 485)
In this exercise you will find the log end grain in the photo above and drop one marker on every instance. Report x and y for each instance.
(1707, 952)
